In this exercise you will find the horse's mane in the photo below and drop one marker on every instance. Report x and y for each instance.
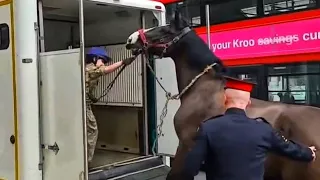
(200, 56)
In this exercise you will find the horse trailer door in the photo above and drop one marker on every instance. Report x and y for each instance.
(166, 73)
(62, 115)
(8, 146)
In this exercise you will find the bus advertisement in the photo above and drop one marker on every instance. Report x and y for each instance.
(276, 44)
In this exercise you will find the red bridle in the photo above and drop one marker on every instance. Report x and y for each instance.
(165, 46)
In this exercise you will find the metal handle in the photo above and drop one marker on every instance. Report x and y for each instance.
(208, 25)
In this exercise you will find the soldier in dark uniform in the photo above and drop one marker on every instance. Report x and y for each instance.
(234, 147)
(95, 68)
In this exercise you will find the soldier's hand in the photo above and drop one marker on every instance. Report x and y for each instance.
(313, 149)
(128, 60)
(94, 100)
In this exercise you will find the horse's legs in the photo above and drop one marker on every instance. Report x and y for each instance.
(273, 168)
(297, 171)
(178, 163)
(186, 122)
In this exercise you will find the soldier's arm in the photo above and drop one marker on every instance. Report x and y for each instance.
(103, 70)
(112, 67)
(196, 155)
(290, 149)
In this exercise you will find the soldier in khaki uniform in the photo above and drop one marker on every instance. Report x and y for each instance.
(95, 67)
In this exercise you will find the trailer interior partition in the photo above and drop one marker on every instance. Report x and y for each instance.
(122, 113)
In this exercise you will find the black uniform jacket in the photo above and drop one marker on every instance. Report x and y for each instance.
(234, 147)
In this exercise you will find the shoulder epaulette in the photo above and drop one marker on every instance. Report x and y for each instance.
(277, 132)
(217, 116)
(214, 117)
(261, 119)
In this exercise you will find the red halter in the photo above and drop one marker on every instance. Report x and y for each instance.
(165, 46)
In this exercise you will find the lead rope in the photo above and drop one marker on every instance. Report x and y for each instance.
(170, 97)
(110, 85)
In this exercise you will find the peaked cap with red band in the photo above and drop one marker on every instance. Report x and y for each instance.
(234, 83)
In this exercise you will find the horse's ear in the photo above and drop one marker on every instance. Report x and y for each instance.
(177, 16)
(178, 19)
(177, 13)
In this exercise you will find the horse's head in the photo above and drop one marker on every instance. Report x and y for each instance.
(160, 40)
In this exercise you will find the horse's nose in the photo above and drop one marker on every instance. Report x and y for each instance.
(128, 46)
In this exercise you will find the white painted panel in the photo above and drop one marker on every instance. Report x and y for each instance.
(165, 70)
(62, 114)
(6, 105)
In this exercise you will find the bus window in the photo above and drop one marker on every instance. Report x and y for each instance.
(220, 12)
(191, 11)
(236, 10)
(272, 7)
(4, 36)
(295, 84)
(233, 10)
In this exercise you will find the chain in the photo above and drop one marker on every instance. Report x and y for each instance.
(159, 126)
(170, 97)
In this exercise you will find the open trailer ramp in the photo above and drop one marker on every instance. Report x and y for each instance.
(148, 168)
(159, 173)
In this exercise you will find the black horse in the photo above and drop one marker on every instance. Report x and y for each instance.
(205, 97)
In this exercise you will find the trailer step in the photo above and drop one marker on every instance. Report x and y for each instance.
(156, 173)
(121, 170)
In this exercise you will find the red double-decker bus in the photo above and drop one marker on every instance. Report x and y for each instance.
(275, 43)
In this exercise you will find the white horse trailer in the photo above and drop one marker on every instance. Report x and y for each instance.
(43, 123)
